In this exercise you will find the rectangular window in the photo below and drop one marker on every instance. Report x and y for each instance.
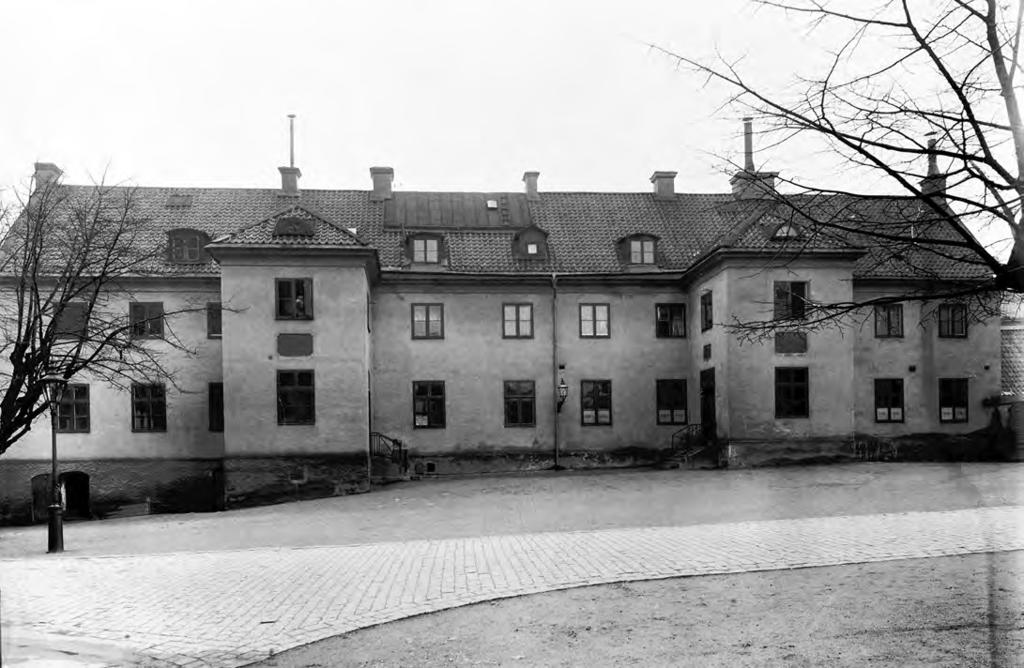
(953, 321)
(670, 321)
(790, 300)
(889, 321)
(296, 397)
(706, 314)
(641, 251)
(149, 407)
(216, 406)
(71, 321)
(213, 320)
(428, 321)
(888, 400)
(594, 321)
(147, 320)
(428, 404)
(73, 409)
(671, 397)
(791, 392)
(425, 250)
(953, 400)
(294, 298)
(520, 403)
(517, 321)
(595, 402)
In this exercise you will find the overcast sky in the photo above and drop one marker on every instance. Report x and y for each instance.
(453, 95)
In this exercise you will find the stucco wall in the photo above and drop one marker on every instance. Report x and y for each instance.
(187, 434)
(719, 339)
(976, 358)
(251, 359)
(473, 359)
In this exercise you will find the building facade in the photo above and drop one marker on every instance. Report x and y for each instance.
(450, 321)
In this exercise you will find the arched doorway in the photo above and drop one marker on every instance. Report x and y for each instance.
(75, 493)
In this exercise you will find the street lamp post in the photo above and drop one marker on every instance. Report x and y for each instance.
(52, 385)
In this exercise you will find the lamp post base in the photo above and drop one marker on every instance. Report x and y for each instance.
(55, 529)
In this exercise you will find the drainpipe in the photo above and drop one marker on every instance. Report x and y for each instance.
(554, 365)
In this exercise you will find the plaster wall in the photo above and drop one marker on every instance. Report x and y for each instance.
(339, 358)
(719, 339)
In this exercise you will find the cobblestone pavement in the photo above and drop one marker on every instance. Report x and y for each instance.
(228, 608)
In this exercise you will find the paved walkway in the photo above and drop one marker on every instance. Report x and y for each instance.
(231, 607)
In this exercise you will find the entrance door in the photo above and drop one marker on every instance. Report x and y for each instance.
(707, 405)
(75, 490)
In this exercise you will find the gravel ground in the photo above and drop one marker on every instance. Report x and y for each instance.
(548, 501)
(948, 611)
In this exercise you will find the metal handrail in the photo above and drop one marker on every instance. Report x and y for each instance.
(385, 446)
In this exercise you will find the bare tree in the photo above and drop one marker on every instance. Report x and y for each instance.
(69, 258)
(923, 93)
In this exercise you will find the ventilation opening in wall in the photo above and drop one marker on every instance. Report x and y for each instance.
(431, 467)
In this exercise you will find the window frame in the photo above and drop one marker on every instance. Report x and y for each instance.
(214, 315)
(152, 319)
(191, 242)
(658, 320)
(307, 302)
(519, 399)
(883, 316)
(432, 398)
(425, 240)
(792, 386)
(429, 306)
(661, 401)
(594, 320)
(295, 390)
(953, 419)
(707, 311)
(156, 406)
(68, 408)
(518, 321)
(639, 247)
(215, 406)
(595, 389)
(61, 332)
(948, 322)
(895, 400)
(787, 303)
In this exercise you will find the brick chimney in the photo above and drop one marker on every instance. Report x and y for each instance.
(664, 185)
(530, 179)
(45, 174)
(934, 183)
(750, 183)
(382, 178)
(289, 181)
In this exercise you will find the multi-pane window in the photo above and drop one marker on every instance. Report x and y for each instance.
(149, 407)
(147, 319)
(594, 321)
(671, 398)
(641, 251)
(889, 321)
(296, 397)
(426, 250)
(517, 321)
(294, 298)
(953, 400)
(706, 313)
(428, 404)
(888, 400)
(520, 403)
(428, 321)
(790, 300)
(669, 320)
(215, 406)
(952, 321)
(71, 321)
(213, 320)
(186, 247)
(792, 397)
(73, 409)
(595, 402)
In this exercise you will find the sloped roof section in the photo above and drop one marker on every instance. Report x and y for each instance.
(1012, 355)
(295, 225)
(454, 210)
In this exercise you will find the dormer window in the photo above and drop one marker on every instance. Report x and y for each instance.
(186, 246)
(530, 244)
(786, 231)
(425, 250)
(531, 249)
(639, 249)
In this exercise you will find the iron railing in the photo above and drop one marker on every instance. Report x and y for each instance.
(388, 448)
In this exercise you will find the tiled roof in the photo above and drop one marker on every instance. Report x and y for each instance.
(1013, 361)
(583, 228)
(321, 232)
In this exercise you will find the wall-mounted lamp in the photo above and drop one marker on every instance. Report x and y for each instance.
(563, 393)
